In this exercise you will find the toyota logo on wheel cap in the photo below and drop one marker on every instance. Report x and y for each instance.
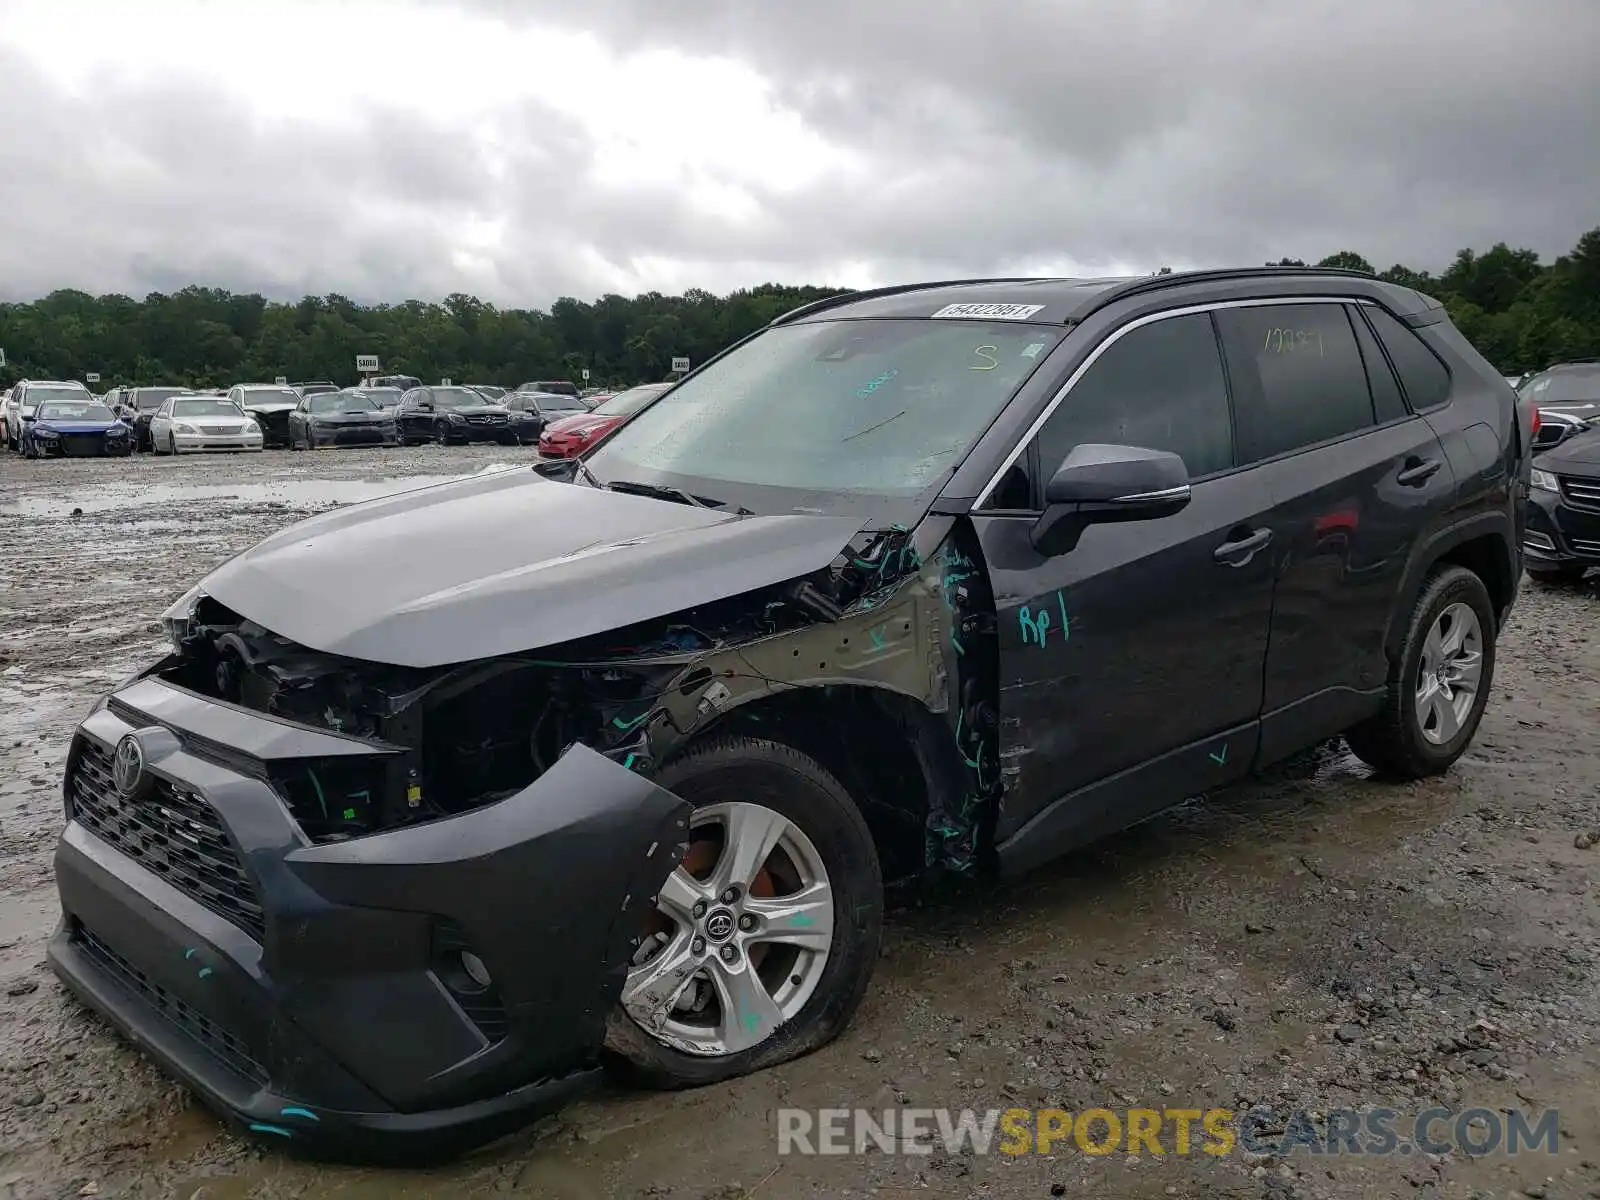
(127, 765)
(719, 925)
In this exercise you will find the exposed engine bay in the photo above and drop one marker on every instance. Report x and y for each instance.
(448, 739)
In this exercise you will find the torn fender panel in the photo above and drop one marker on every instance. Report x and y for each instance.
(506, 562)
(548, 888)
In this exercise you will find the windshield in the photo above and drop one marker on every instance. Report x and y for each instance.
(270, 395)
(385, 397)
(457, 397)
(200, 406)
(35, 396)
(332, 402)
(150, 399)
(74, 410)
(488, 389)
(625, 404)
(560, 404)
(1565, 386)
(882, 407)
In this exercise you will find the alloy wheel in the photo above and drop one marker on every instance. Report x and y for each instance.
(745, 930)
(1449, 673)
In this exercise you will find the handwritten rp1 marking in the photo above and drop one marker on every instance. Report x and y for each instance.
(1036, 623)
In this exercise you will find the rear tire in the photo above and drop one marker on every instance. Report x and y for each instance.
(1396, 741)
(775, 777)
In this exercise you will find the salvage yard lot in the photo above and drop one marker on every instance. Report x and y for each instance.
(1313, 940)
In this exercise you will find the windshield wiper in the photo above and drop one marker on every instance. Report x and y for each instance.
(583, 469)
(660, 491)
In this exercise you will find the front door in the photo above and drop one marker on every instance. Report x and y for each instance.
(1130, 666)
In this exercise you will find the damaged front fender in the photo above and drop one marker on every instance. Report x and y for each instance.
(547, 889)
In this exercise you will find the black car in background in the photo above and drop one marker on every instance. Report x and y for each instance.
(337, 418)
(452, 415)
(489, 391)
(404, 382)
(314, 387)
(144, 401)
(270, 404)
(1562, 539)
(532, 411)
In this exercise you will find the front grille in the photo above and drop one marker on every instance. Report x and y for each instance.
(1585, 545)
(82, 445)
(217, 430)
(173, 834)
(1581, 493)
(487, 419)
(177, 1012)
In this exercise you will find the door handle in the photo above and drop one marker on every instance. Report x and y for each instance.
(1239, 553)
(1417, 471)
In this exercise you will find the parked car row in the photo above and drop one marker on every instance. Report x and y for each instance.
(315, 415)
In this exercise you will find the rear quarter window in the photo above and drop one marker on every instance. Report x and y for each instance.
(1424, 378)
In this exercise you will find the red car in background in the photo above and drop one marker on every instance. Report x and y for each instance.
(571, 436)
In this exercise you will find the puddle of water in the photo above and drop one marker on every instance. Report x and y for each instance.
(289, 490)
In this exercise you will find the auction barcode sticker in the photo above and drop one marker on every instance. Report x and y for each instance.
(994, 312)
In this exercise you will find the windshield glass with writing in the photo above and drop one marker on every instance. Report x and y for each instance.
(74, 410)
(625, 404)
(200, 406)
(150, 399)
(332, 402)
(878, 407)
(1566, 386)
(457, 397)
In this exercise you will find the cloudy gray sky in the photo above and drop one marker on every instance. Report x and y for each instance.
(526, 149)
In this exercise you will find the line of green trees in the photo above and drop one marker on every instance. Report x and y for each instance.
(1521, 314)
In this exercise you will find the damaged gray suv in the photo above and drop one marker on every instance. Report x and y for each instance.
(442, 801)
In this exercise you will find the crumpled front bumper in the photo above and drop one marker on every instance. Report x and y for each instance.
(312, 994)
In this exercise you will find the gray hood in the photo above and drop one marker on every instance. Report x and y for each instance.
(506, 562)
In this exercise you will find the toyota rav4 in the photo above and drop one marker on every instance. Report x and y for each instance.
(415, 827)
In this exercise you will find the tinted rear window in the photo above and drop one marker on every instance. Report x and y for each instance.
(1425, 379)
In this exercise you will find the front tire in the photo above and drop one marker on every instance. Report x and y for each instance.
(1439, 685)
(776, 828)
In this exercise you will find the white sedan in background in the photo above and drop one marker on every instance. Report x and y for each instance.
(192, 422)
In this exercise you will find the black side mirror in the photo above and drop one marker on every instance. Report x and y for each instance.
(1099, 484)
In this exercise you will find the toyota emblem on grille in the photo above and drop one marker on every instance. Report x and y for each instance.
(127, 767)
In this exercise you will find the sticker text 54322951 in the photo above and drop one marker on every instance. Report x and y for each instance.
(990, 312)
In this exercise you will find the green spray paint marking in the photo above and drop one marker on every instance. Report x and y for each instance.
(802, 919)
(204, 971)
(752, 1022)
(1220, 759)
(628, 762)
(877, 637)
(349, 814)
(633, 724)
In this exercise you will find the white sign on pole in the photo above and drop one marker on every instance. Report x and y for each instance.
(2, 356)
(91, 376)
(444, 383)
(281, 380)
(586, 374)
(366, 362)
(680, 365)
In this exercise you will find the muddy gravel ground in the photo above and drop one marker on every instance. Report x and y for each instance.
(1315, 939)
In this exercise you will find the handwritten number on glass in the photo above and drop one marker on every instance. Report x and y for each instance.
(1293, 341)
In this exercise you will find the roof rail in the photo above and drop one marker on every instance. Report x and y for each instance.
(896, 289)
(1156, 283)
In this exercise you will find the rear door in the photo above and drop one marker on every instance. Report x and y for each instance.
(1130, 666)
(1355, 479)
